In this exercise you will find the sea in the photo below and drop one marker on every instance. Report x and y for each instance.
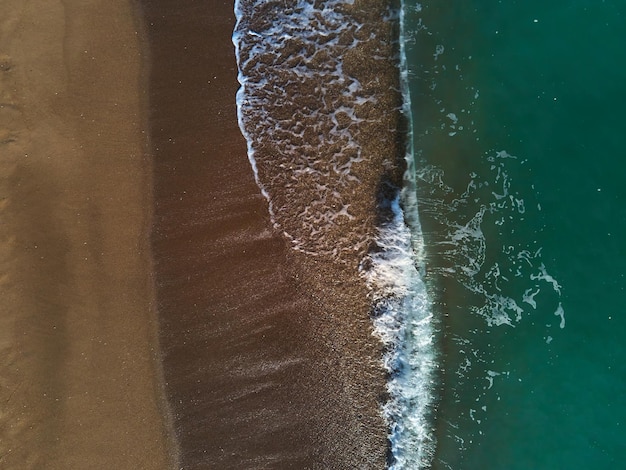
(498, 275)
(519, 138)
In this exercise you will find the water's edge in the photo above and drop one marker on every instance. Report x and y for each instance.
(404, 320)
(392, 265)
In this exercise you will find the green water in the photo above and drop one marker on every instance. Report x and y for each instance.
(546, 85)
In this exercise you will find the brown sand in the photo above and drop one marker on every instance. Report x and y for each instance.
(79, 384)
(268, 356)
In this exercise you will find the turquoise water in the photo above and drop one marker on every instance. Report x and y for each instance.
(519, 135)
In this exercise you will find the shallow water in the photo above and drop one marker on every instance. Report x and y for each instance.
(519, 145)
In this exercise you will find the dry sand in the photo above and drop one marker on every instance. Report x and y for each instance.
(79, 385)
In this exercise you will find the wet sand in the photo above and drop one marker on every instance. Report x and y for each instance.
(79, 373)
(268, 356)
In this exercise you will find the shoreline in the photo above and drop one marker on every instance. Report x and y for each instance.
(79, 356)
(147, 290)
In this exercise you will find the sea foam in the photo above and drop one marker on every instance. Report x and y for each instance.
(403, 320)
(301, 114)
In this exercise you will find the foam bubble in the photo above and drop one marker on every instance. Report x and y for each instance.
(544, 276)
(561, 314)
(529, 297)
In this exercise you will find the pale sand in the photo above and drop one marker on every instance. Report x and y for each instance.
(79, 372)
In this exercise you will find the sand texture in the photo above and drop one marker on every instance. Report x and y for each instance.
(78, 373)
(268, 354)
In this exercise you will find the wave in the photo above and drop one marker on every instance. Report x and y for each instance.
(403, 320)
(321, 102)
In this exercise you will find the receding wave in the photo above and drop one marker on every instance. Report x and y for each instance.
(323, 105)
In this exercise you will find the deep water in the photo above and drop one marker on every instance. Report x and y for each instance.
(519, 130)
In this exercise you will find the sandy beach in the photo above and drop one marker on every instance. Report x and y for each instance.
(152, 317)
(79, 365)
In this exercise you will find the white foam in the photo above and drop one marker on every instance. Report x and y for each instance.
(404, 323)
(561, 314)
(439, 49)
(529, 297)
(544, 276)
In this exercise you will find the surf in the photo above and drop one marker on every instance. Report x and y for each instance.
(308, 113)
